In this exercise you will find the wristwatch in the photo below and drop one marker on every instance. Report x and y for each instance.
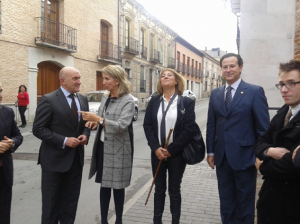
(101, 121)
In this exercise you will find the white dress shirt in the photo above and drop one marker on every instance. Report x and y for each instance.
(295, 111)
(171, 118)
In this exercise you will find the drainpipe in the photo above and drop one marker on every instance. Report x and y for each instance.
(119, 27)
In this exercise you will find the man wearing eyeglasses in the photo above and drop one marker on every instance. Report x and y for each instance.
(279, 197)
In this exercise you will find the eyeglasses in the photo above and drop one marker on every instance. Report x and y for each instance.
(288, 85)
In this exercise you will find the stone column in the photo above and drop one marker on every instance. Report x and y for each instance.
(32, 83)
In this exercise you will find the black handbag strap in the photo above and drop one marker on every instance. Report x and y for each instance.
(182, 110)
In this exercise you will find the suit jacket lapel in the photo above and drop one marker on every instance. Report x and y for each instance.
(2, 120)
(239, 94)
(65, 105)
(221, 99)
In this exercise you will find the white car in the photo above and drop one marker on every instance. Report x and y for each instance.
(94, 99)
(187, 93)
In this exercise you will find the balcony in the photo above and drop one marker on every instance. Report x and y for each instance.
(171, 62)
(143, 52)
(154, 56)
(110, 53)
(185, 68)
(131, 46)
(56, 35)
(142, 86)
(181, 67)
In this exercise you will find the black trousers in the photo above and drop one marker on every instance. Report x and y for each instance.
(175, 167)
(60, 194)
(22, 110)
(5, 199)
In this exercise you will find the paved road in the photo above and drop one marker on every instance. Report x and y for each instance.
(199, 189)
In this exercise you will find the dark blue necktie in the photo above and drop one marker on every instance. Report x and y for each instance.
(163, 120)
(228, 98)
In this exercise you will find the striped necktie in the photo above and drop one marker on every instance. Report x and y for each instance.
(228, 98)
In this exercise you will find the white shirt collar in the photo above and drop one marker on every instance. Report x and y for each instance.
(295, 110)
(66, 93)
(235, 85)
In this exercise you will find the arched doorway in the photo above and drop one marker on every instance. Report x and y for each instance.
(47, 79)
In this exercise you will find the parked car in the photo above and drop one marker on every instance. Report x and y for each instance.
(187, 93)
(95, 97)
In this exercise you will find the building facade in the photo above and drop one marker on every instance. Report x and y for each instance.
(148, 47)
(212, 74)
(189, 62)
(39, 37)
(216, 53)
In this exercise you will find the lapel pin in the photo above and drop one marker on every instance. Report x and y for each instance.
(242, 92)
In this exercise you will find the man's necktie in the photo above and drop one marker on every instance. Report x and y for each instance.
(287, 117)
(228, 98)
(74, 108)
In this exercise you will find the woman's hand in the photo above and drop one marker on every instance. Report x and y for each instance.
(91, 124)
(89, 116)
(160, 153)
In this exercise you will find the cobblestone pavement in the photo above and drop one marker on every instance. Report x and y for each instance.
(200, 199)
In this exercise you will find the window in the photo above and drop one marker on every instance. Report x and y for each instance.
(128, 70)
(178, 60)
(192, 67)
(142, 79)
(142, 41)
(127, 32)
(196, 68)
(49, 13)
(183, 61)
(160, 50)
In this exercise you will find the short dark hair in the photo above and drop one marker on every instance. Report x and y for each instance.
(239, 58)
(22, 86)
(289, 66)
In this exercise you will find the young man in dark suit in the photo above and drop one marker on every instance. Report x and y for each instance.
(237, 116)
(279, 197)
(61, 155)
(10, 140)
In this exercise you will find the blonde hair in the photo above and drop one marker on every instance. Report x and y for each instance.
(179, 87)
(118, 73)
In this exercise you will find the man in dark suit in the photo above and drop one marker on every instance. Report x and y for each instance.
(237, 115)
(10, 140)
(279, 197)
(61, 155)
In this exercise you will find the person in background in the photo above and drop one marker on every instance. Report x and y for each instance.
(113, 148)
(23, 101)
(278, 148)
(10, 140)
(163, 113)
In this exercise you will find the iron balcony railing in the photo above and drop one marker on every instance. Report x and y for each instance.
(143, 86)
(154, 56)
(171, 62)
(109, 52)
(177, 65)
(51, 33)
(131, 45)
(185, 68)
(143, 52)
(181, 67)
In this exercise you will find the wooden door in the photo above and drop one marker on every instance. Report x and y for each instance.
(47, 79)
(104, 39)
(50, 25)
(99, 81)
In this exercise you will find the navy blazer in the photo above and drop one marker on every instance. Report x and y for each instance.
(181, 138)
(9, 128)
(235, 131)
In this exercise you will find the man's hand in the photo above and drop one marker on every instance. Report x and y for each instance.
(276, 153)
(72, 142)
(89, 116)
(8, 141)
(211, 161)
(294, 153)
(82, 139)
(258, 163)
(91, 124)
(160, 153)
(166, 153)
(4, 147)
